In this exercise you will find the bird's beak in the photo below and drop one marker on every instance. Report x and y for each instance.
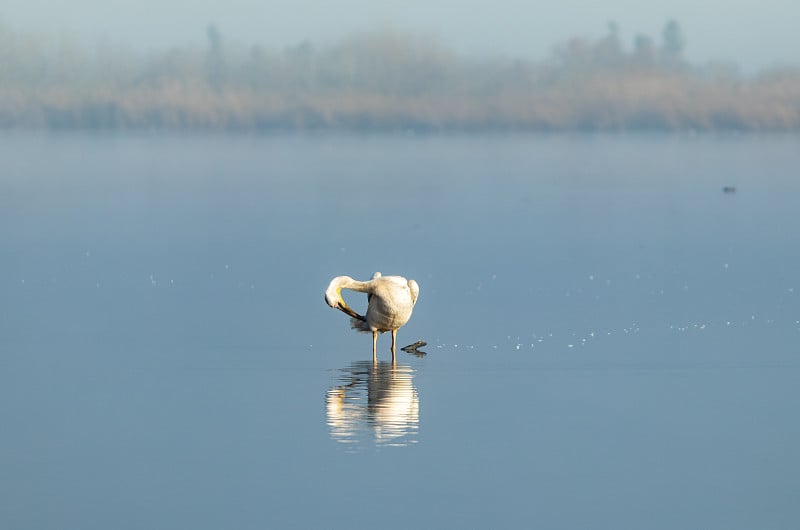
(344, 308)
(341, 305)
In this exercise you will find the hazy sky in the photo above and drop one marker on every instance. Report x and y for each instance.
(754, 33)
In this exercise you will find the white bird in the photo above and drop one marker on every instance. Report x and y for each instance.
(390, 301)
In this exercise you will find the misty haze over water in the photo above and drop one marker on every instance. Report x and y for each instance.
(755, 34)
(389, 80)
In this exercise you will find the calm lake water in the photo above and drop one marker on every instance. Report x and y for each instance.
(613, 341)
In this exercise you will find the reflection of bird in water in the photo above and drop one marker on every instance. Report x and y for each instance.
(390, 302)
(374, 396)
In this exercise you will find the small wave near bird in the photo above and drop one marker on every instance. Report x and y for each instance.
(390, 301)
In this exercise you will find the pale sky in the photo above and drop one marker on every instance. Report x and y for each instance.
(753, 33)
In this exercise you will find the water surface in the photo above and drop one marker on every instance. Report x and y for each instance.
(612, 340)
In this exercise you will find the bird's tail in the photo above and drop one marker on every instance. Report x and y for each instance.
(360, 324)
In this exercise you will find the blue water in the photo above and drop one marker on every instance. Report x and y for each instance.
(613, 341)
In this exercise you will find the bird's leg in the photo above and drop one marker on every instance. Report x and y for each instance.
(394, 340)
(375, 347)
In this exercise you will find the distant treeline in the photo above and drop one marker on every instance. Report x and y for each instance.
(387, 81)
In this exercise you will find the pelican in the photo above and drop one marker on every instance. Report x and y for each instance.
(390, 300)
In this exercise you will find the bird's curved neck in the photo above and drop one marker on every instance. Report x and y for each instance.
(346, 282)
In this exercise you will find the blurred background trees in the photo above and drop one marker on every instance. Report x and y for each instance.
(388, 80)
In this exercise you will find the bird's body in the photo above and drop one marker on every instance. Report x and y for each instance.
(391, 300)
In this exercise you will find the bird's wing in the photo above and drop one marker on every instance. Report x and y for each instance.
(414, 290)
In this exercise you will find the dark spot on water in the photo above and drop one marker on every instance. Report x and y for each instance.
(414, 348)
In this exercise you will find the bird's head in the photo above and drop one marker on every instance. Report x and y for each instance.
(333, 296)
(332, 301)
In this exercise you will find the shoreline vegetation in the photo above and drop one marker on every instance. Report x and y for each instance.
(388, 80)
